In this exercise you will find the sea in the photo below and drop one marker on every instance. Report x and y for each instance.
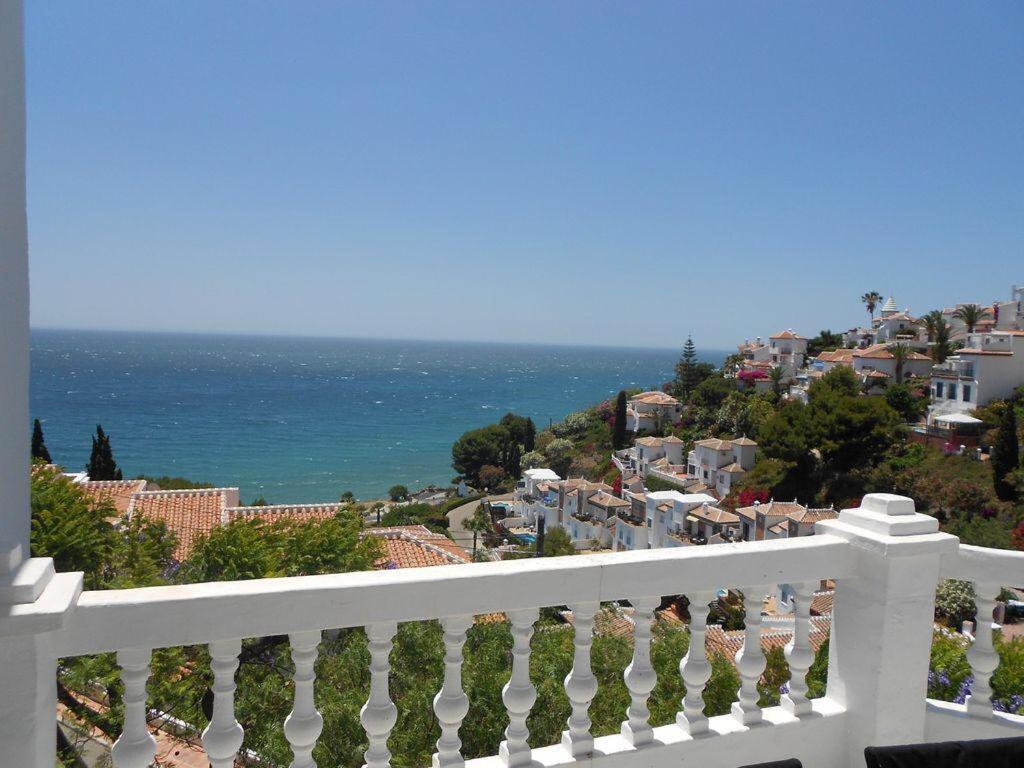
(305, 419)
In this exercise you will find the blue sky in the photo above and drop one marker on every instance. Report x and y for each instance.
(582, 172)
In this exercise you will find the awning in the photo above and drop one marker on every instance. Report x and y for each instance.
(957, 418)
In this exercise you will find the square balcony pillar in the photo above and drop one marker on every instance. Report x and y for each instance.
(882, 620)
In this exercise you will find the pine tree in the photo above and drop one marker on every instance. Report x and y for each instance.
(39, 450)
(101, 464)
(686, 370)
(619, 427)
(530, 437)
(1005, 454)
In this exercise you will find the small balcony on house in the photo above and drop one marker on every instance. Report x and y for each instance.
(954, 369)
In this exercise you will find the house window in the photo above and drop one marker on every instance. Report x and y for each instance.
(967, 393)
(938, 390)
(952, 392)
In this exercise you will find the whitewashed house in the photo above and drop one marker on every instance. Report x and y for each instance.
(720, 463)
(652, 411)
(878, 361)
(779, 520)
(787, 350)
(989, 368)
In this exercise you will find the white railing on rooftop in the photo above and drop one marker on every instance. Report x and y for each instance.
(885, 559)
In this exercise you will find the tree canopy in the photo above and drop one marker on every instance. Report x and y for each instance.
(39, 450)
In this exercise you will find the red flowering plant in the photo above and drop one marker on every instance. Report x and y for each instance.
(749, 376)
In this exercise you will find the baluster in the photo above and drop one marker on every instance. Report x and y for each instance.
(379, 714)
(981, 655)
(223, 736)
(639, 676)
(750, 661)
(799, 653)
(519, 693)
(580, 683)
(451, 703)
(695, 667)
(135, 747)
(303, 726)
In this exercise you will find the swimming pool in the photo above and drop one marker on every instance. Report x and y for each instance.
(527, 538)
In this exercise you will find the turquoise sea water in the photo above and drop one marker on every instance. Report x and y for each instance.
(304, 419)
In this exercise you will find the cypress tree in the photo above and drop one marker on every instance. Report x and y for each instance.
(39, 450)
(686, 370)
(513, 460)
(101, 464)
(530, 437)
(619, 427)
(1005, 454)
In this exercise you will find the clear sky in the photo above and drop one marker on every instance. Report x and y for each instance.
(583, 172)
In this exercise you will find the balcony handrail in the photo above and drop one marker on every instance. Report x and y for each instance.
(984, 566)
(160, 617)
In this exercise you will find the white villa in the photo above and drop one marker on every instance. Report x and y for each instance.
(788, 350)
(878, 362)
(780, 520)
(990, 367)
(650, 411)
(720, 463)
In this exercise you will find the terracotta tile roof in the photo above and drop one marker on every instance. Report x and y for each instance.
(610, 621)
(652, 442)
(118, 492)
(189, 514)
(876, 374)
(730, 642)
(415, 546)
(821, 603)
(715, 444)
(273, 513)
(814, 515)
(714, 514)
(837, 356)
(771, 509)
(733, 468)
(744, 441)
(654, 398)
(787, 334)
(603, 499)
(881, 352)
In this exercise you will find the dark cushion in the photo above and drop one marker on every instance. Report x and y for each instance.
(982, 753)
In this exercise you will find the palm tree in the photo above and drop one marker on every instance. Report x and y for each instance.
(931, 323)
(777, 374)
(871, 299)
(900, 354)
(941, 346)
(970, 314)
(479, 522)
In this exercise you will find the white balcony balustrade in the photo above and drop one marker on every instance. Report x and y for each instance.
(885, 559)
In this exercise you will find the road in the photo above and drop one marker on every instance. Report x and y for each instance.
(459, 515)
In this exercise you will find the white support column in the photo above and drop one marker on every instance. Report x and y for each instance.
(379, 714)
(639, 676)
(882, 621)
(799, 653)
(750, 661)
(136, 746)
(519, 694)
(303, 725)
(694, 667)
(580, 683)
(27, 666)
(982, 655)
(451, 703)
(14, 341)
(223, 736)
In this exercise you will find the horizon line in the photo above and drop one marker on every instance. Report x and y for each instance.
(326, 337)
